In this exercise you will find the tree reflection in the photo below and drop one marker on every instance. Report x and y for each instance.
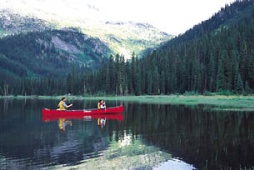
(200, 136)
(206, 138)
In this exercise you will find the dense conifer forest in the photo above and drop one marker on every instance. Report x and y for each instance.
(216, 55)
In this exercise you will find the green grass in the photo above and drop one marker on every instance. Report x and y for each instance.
(220, 102)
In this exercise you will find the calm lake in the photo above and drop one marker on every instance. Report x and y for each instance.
(146, 136)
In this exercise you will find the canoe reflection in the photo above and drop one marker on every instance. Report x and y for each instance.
(63, 121)
(108, 116)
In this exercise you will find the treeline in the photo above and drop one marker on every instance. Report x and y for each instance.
(71, 83)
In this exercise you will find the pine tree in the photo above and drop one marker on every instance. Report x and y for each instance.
(220, 81)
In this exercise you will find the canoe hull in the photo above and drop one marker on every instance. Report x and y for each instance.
(110, 110)
(108, 113)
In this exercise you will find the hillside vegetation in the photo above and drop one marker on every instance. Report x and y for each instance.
(50, 53)
(216, 55)
(34, 50)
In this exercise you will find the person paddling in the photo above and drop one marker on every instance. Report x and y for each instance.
(101, 105)
(62, 105)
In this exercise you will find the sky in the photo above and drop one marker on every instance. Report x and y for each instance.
(171, 16)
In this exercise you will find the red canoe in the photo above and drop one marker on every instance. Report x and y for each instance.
(110, 110)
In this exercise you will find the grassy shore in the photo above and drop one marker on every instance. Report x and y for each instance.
(221, 102)
(231, 102)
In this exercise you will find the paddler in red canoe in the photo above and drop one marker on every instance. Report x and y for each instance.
(62, 105)
(101, 104)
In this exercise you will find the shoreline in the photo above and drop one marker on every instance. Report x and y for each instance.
(239, 102)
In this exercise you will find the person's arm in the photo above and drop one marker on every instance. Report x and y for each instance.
(66, 106)
(69, 105)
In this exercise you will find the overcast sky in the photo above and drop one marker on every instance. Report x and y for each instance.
(171, 16)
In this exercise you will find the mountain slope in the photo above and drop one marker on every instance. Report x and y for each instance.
(215, 55)
(81, 43)
(122, 38)
(50, 53)
(240, 10)
(13, 23)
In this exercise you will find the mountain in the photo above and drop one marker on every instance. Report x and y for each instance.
(50, 53)
(81, 43)
(216, 55)
(13, 24)
(223, 19)
(122, 38)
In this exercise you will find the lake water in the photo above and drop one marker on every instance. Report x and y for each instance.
(150, 136)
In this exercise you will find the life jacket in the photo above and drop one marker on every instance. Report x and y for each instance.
(61, 106)
(99, 105)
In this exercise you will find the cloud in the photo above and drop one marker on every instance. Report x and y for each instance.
(171, 16)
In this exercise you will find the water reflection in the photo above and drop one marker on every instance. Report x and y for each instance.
(149, 136)
(206, 139)
(65, 120)
(101, 122)
(62, 123)
(174, 164)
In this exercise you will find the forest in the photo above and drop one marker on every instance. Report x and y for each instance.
(214, 56)
(211, 61)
